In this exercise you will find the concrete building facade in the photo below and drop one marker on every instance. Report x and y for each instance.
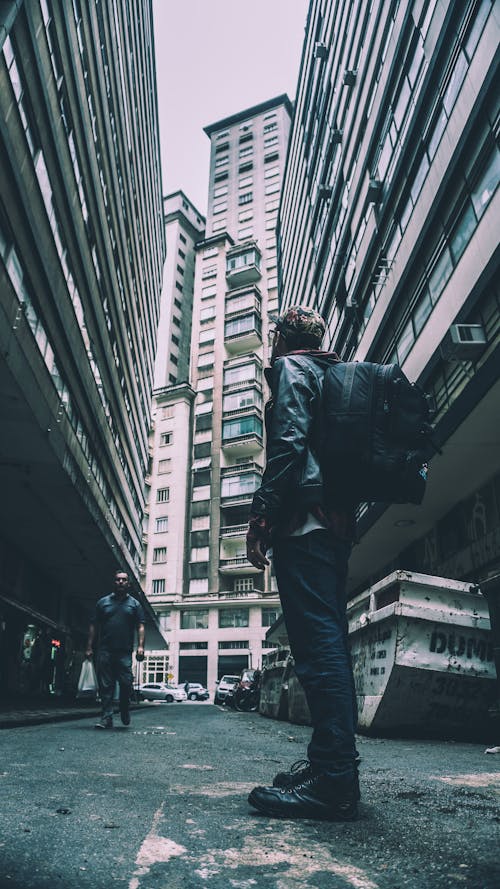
(388, 224)
(219, 625)
(82, 249)
(165, 538)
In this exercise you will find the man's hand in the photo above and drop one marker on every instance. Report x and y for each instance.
(139, 655)
(256, 554)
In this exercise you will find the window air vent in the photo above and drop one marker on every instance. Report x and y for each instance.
(350, 77)
(374, 191)
(464, 342)
(320, 51)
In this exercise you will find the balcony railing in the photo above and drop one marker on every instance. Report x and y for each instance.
(233, 531)
(249, 443)
(236, 499)
(237, 565)
(250, 466)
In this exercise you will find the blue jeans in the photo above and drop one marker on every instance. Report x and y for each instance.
(113, 667)
(311, 571)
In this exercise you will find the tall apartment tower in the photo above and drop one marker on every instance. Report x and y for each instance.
(82, 248)
(389, 226)
(170, 445)
(220, 624)
(184, 227)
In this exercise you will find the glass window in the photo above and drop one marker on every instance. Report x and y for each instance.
(162, 495)
(158, 586)
(219, 225)
(244, 426)
(402, 104)
(269, 616)
(242, 301)
(159, 554)
(437, 131)
(440, 275)
(207, 313)
(161, 524)
(245, 198)
(245, 181)
(199, 554)
(422, 312)
(245, 215)
(462, 233)
(194, 620)
(476, 29)
(219, 208)
(405, 341)
(239, 400)
(272, 188)
(243, 373)
(244, 233)
(235, 485)
(456, 80)
(420, 178)
(271, 172)
(487, 184)
(207, 336)
(220, 191)
(234, 617)
(240, 325)
(165, 438)
(164, 466)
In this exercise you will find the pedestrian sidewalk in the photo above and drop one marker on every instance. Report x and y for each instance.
(23, 713)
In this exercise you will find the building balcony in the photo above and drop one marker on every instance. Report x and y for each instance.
(238, 468)
(247, 443)
(243, 265)
(243, 337)
(228, 500)
(237, 565)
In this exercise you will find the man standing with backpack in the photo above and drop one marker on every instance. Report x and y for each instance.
(311, 530)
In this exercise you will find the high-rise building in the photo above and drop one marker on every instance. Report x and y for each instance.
(388, 225)
(168, 481)
(220, 623)
(82, 248)
(184, 227)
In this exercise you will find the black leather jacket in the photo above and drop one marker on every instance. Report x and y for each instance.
(293, 481)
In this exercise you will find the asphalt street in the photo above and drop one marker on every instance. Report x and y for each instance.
(162, 804)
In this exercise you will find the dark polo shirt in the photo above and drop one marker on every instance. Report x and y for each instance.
(117, 620)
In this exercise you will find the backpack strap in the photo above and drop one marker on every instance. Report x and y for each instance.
(350, 370)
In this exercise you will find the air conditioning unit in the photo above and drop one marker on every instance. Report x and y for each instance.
(350, 77)
(320, 51)
(325, 191)
(374, 191)
(464, 342)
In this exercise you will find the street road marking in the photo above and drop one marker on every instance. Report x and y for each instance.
(483, 779)
(154, 850)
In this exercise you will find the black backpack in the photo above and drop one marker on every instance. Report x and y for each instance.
(376, 434)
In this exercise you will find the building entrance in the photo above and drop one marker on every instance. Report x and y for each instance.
(231, 664)
(193, 668)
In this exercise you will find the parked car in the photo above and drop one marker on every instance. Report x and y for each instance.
(196, 691)
(224, 685)
(161, 691)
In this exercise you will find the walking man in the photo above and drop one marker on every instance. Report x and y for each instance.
(295, 511)
(116, 618)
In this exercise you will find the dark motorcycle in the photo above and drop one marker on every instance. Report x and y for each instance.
(247, 694)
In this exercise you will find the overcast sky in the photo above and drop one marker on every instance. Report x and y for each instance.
(215, 58)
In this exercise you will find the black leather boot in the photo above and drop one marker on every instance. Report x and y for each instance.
(301, 770)
(317, 796)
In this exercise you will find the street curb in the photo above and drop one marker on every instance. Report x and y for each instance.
(27, 719)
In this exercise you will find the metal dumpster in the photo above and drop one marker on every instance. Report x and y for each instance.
(422, 656)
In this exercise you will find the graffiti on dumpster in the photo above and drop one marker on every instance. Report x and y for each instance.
(458, 645)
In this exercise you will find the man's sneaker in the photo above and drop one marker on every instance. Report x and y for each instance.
(317, 796)
(125, 713)
(301, 770)
(105, 722)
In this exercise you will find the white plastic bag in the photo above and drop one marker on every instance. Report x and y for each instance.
(87, 683)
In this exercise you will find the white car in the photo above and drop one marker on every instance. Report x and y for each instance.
(224, 685)
(161, 691)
